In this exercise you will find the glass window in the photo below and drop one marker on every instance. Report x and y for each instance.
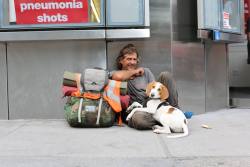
(47, 13)
(222, 15)
(212, 19)
(125, 12)
(231, 16)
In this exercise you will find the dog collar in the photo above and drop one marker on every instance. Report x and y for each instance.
(164, 103)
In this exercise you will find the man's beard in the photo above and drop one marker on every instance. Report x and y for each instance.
(131, 67)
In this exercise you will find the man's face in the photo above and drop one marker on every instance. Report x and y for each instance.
(129, 62)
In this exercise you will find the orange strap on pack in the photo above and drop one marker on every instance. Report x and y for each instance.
(90, 95)
(87, 95)
(76, 94)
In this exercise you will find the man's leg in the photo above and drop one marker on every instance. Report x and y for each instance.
(124, 103)
(142, 121)
(167, 79)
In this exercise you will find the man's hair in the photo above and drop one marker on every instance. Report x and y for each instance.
(128, 49)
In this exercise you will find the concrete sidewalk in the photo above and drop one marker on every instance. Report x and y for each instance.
(52, 143)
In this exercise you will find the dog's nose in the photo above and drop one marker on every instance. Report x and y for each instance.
(152, 95)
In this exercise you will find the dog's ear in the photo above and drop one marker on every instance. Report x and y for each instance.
(149, 87)
(164, 93)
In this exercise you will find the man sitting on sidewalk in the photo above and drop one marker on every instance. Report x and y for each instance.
(138, 78)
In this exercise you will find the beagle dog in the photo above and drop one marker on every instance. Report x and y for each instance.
(172, 119)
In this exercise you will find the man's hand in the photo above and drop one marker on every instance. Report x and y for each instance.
(124, 75)
(137, 72)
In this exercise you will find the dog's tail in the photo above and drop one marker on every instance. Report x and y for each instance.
(185, 132)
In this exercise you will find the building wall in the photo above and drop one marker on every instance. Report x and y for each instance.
(238, 67)
(3, 83)
(200, 67)
(188, 57)
(217, 82)
(35, 69)
(189, 71)
(155, 51)
(35, 73)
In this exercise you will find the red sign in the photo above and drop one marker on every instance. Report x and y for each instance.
(226, 18)
(51, 11)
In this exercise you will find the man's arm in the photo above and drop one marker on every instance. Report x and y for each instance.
(124, 75)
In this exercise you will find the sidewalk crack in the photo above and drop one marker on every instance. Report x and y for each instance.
(164, 146)
(14, 130)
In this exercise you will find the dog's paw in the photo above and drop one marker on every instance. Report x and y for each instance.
(129, 110)
(131, 114)
(157, 131)
(162, 130)
(133, 106)
(156, 127)
(138, 105)
(128, 118)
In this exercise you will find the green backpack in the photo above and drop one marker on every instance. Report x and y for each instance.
(89, 109)
(88, 115)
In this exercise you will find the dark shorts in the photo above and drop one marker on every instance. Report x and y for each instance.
(142, 121)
